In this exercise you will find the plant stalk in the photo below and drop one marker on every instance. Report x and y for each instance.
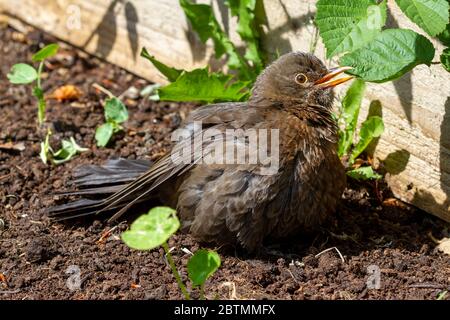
(39, 71)
(103, 89)
(175, 271)
(202, 291)
(41, 100)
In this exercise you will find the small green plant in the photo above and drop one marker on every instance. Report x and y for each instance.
(23, 73)
(201, 266)
(153, 229)
(370, 129)
(68, 150)
(115, 113)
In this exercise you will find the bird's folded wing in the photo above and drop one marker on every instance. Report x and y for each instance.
(140, 183)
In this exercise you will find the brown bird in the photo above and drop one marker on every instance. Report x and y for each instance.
(241, 202)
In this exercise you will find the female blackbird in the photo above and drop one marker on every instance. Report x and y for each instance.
(242, 201)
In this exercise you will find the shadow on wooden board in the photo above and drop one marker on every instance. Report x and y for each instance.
(403, 86)
(106, 30)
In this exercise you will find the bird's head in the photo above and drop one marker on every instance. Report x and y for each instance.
(298, 77)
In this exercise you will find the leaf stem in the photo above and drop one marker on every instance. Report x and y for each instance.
(39, 95)
(103, 89)
(175, 271)
(202, 291)
(41, 110)
(39, 72)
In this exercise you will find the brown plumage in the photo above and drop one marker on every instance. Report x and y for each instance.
(229, 203)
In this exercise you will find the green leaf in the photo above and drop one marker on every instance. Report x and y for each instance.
(442, 294)
(202, 19)
(202, 265)
(170, 73)
(103, 133)
(431, 15)
(45, 52)
(45, 148)
(444, 37)
(152, 229)
(115, 110)
(248, 29)
(205, 24)
(390, 55)
(363, 173)
(445, 59)
(351, 104)
(198, 85)
(372, 128)
(68, 150)
(22, 73)
(347, 25)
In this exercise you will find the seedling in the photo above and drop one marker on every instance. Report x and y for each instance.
(201, 266)
(68, 150)
(23, 73)
(115, 114)
(153, 229)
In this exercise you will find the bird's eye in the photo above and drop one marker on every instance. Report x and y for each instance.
(301, 78)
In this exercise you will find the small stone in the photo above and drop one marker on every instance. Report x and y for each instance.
(131, 93)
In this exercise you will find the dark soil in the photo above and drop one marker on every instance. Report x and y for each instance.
(38, 258)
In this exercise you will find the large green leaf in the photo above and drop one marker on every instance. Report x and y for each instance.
(363, 173)
(351, 104)
(346, 25)
(201, 17)
(430, 15)
(115, 110)
(199, 85)
(205, 24)
(248, 29)
(372, 128)
(22, 73)
(152, 229)
(45, 52)
(390, 55)
(202, 265)
(171, 73)
(444, 36)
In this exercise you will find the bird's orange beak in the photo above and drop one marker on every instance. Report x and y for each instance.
(328, 82)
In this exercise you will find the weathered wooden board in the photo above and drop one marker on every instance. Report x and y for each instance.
(415, 147)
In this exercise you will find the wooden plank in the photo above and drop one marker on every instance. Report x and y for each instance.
(415, 147)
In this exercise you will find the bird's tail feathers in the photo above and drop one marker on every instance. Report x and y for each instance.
(98, 182)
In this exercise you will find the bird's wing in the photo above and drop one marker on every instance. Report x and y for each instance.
(219, 116)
